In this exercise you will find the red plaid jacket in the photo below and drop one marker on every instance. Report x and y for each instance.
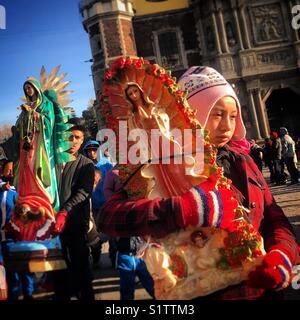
(122, 217)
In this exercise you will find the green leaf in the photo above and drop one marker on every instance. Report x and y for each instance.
(222, 264)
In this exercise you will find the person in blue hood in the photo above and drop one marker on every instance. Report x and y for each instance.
(92, 151)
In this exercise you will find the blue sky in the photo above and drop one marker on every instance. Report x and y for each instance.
(42, 32)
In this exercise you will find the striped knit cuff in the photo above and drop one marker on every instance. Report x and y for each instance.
(286, 260)
(286, 277)
(285, 269)
(201, 208)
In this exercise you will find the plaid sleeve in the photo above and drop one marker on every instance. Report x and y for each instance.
(123, 217)
(200, 206)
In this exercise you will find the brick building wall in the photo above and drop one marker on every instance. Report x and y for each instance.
(128, 37)
(112, 44)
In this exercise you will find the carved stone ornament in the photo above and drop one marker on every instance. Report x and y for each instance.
(248, 61)
(277, 57)
(268, 23)
(226, 64)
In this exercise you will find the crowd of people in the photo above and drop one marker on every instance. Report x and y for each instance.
(90, 189)
(278, 152)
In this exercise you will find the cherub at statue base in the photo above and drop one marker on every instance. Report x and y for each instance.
(199, 261)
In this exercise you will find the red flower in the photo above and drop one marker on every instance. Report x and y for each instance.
(163, 77)
(128, 62)
(119, 63)
(108, 75)
(211, 161)
(207, 146)
(138, 63)
(257, 253)
(179, 93)
(169, 81)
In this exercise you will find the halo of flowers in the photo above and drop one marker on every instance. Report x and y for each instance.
(112, 75)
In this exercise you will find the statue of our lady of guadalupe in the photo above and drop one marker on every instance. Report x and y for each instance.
(189, 262)
(147, 98)
(42, 142)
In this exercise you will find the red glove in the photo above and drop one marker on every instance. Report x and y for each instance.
(205, 206)
(6, 186)
(60, 221)
(274, 273)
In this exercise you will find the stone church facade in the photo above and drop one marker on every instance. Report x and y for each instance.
(252, 43)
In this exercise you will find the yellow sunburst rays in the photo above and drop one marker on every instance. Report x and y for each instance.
(55, 82)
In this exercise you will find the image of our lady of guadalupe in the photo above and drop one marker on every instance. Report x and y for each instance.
(42, 143)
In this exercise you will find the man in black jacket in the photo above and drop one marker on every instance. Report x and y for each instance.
(75, 185)
(279, 176)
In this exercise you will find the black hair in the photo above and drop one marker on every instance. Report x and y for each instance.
(77, 124)
(4, 162)
(34, 89)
